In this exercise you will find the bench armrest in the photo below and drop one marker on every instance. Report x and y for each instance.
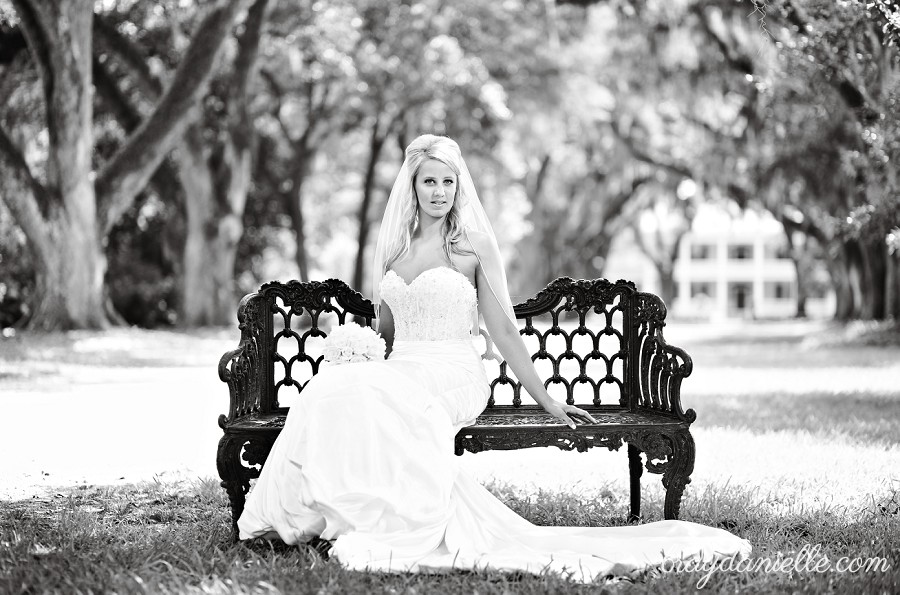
(674, 366)
(662, 367)
(241, 368)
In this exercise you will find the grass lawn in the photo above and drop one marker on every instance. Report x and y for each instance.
(798, 447)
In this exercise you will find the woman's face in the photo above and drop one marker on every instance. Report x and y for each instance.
(435, 188)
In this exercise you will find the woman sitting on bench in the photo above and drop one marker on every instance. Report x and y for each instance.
(365, 460)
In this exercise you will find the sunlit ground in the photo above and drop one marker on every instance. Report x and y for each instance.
(788, 412)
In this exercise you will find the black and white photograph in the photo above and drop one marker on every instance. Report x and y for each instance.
(415, 297)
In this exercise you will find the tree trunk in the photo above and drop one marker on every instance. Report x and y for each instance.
(854, 274)
(69, 278)
(532, 267)
(217, 190)
(376, 143)
(892, 286)
(294, 200)
(237, 168)
(66, 220)
(539, 254)
(209, 256)
(873, 254)
(71, 265)
(802, 293)
(666, 284)
(795, 254)
(867, 278)
(213, 228)
(838, 271)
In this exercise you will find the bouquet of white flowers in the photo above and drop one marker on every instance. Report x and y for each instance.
(350, 343)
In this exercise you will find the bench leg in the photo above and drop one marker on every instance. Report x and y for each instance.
(237, 496)
(678, 472)
(635, 470)
(228, 462)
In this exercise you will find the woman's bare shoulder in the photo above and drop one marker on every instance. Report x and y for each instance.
(477, 240)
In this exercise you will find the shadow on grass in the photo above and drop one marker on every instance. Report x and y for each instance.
(176, 538)
(780, 354)
(120, 347)
(863, 416)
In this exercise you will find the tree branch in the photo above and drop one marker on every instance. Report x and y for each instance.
(245, 62)
(278, 95)
(227, 158)
(15, 162)
(129, 54)
(592, 238)
(164, 179)
(738, 60)
(27, 199)
(643, 247)
(12, 41)
(10, 81)
(118, 103)
(321, 117)
(126, 174)
(539, 179)
(36, 38)
(642, 155)
(853, 94)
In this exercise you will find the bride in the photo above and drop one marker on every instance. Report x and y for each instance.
(366, 459)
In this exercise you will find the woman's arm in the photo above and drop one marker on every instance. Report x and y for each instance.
(386, 328)
(506, 335)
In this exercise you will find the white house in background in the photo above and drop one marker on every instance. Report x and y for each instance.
(731, 264)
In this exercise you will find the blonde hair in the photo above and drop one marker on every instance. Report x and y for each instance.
(420, 150)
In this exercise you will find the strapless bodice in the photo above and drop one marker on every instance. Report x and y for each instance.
(439, 304)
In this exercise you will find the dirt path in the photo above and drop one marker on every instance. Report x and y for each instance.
(98, 408)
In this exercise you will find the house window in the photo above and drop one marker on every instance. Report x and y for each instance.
(778, 290)
(703, 288)
(703, 252)
(779, 251)
(740, 252)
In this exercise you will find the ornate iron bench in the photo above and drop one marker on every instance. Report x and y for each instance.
(598, 344)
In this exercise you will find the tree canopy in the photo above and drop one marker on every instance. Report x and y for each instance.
(159, 159)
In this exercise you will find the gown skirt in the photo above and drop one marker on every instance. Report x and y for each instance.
(366, 461)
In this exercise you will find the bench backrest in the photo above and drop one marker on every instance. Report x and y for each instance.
(593, 341)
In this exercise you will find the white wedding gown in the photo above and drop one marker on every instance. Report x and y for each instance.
(366, 460)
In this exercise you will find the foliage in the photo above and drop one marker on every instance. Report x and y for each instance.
(22, 111)
(141, 279)
(843, 123)
(16, 273)
(576, 117)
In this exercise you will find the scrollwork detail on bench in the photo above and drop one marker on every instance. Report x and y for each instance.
(562, 439)
(578, 295)
(316, 295)
(672, 455)
(616, 343)
(649, 309)
(656, 447)
(240, 368)
(256, 451)
(561, 298)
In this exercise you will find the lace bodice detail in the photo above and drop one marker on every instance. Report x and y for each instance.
(439, 304)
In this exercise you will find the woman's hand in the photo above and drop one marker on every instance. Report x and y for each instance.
(568, 414)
